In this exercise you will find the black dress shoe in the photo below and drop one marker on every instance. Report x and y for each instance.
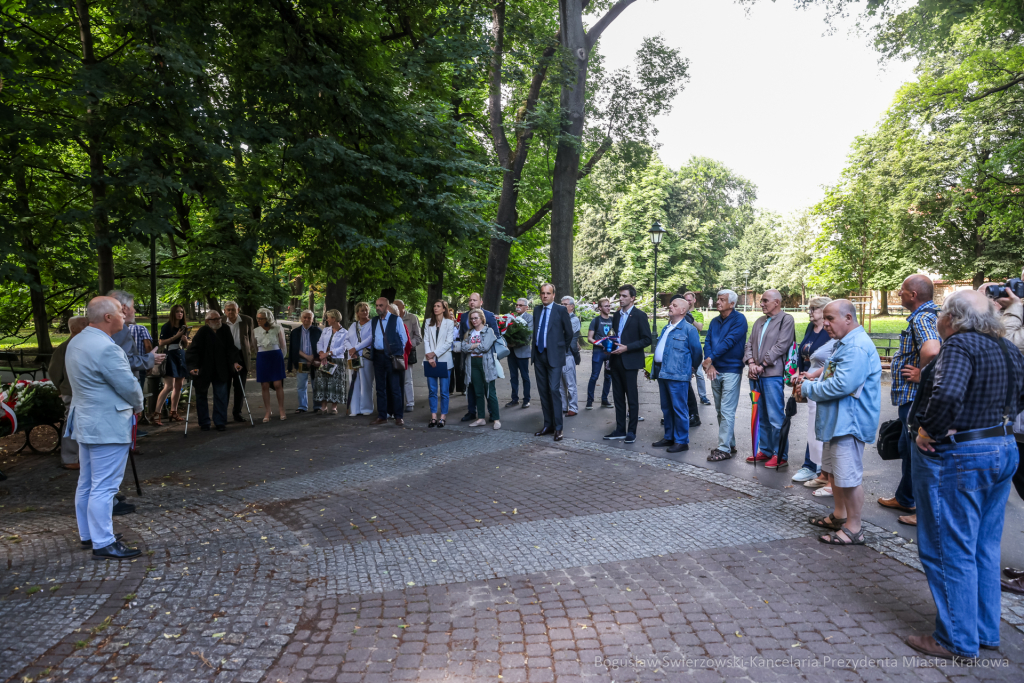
(558, 435)
(468, 417)
(204, 428)
(300, 410)
(678, 448)
(238, 417)
(115, 551)
(545, 431)
(1013, 573)
(605, 404)
(87, 545)
(663, 443)
(526, 404)
(222, 428)
(121, 509)
(694, 422)
(511, 403)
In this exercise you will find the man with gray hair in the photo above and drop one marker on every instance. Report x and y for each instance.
(771, 338)
(135, 340)
(301, 351)
(723, 365)
(848, 395)
(243, 334)
(570, 394)
(519, 359)
(60, 379)
(963, 463)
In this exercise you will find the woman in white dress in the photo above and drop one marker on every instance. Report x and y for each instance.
(359, 340)
(330, 385)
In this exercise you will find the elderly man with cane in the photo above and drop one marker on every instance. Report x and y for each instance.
(105, 397)
(213, 358)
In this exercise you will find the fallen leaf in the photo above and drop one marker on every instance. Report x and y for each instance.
(515, 511)
(738, 635)
(219, 635)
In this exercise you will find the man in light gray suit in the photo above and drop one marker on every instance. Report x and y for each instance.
(105, 395)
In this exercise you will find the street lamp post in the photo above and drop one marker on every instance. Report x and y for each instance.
(657, 232)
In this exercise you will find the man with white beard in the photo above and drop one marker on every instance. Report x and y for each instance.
(213, 358)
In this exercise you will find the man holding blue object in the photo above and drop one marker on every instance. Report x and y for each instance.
(723, 365)
(105, 397)
(676, 355)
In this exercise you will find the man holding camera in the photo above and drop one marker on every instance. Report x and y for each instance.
(1007, 298)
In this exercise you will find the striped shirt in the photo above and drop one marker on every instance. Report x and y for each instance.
(920, 328)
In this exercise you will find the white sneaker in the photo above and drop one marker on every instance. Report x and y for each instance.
(804, 474)
(497, 424)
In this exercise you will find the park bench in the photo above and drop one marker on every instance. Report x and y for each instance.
(887, 345)
(15, 364)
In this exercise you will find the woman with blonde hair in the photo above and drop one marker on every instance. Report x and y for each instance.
(270, 346)
(814, 351)
(480, 365)
(360, 400)
(330, 385)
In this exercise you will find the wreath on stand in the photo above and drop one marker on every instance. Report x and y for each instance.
(26, 405)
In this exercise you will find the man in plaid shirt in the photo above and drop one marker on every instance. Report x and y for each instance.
(919, 344)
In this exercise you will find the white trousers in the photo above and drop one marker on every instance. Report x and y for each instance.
(102, 470)
(409, 399)
(813, 444)
(362, 391)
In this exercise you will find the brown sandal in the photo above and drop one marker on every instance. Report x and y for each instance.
(173, 417)
(154, 419)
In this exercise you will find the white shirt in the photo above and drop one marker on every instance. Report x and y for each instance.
(659, 351)
(235, 327)
(334, 347)
(623, 317)
(359, 335)
(270, 340)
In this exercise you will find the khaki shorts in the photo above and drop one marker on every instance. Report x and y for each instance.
(843, 458)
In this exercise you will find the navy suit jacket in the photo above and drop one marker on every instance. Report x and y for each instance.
(295, 343)
(636, 336)
(559, 335)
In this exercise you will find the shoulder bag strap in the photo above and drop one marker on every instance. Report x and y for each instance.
(1008, 409)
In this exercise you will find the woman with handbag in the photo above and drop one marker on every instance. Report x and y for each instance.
(437, 352)
(330, 383)
(270, 372)
(360, 401)
(173, 336)
(481, 365)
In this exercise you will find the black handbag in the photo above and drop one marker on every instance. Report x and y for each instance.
(888, 442)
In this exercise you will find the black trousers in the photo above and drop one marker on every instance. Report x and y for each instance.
(624, 394)
(1018, 476)
(549, 386)
(457, 380)
(390, 385)
(691, 399)
(239, 391)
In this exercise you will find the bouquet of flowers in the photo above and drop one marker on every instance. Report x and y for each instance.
(29, 403)
(515, 332)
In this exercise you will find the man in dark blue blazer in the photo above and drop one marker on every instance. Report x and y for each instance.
(475, 301)
(305, 336)
(634, 331)
(552, 335)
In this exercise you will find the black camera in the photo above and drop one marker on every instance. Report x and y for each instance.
(1014, 284)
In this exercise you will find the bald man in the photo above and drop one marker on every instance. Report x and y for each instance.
(919, 344)
(767, 349)
(105, 397)
(57, 375)
(849, 400)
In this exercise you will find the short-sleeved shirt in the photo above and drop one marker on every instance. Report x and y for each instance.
(920, 328)
(695, 316)
(140, 334)
(167, 331)
(601, 327)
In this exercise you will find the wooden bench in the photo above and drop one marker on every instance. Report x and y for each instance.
(16, 365)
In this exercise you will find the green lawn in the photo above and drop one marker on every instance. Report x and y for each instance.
(56, 338)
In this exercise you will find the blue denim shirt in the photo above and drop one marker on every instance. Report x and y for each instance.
(854, 365)
(682, 352)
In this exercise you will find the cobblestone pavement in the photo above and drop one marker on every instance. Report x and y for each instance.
(323, 549)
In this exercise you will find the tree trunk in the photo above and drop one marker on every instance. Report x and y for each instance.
(336, 297)
(435, 284)
(567, 158)
(97, 171)
(312, 301)
(883, 308)
(213, 303)
(296, 286)
(37, 297)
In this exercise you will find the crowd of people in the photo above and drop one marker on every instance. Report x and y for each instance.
(957, 385)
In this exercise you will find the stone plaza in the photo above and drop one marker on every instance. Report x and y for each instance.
(322, 549)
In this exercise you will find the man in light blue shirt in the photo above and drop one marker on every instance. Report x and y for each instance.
(389, 340)
(849, 399)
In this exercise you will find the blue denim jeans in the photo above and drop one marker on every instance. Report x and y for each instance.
(675, 409)
(702, 390)
(726, 390)
(597, 360)
(961, 492)
(301, 383)
(772, 413)
(438, 395)
(905, 491)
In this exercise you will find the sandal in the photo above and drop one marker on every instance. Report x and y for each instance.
(834, 539)
(440, 423)
(718, 456)
(154, 420)
(835, 524)
(432, 424)
(173, 417)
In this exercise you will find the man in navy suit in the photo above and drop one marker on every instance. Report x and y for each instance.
(552, 335)
(475, 302)
(627, 358)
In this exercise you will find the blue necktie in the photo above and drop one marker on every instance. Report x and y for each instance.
(542, 338)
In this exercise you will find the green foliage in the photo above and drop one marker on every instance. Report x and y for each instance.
(752, 261)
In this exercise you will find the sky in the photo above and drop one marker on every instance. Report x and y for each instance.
(770, 95)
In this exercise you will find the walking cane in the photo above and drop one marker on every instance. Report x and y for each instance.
(131, 456)
(188, 405)
(244, 397)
